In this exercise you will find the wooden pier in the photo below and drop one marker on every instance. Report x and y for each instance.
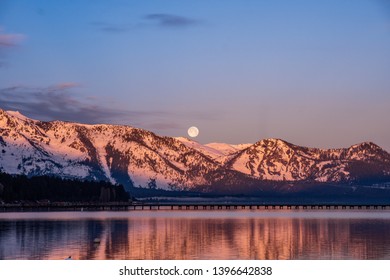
(127, 206)
(254, 207)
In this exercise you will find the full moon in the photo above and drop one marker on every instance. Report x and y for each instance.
(193, 131)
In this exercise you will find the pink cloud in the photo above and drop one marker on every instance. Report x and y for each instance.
(66, 85)
(9, 39)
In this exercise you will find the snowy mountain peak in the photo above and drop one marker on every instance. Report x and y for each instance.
(220, 152)
(366, 145)
(276, 159)
(227, 149)
(271, 142)
(18, 115)
(185, 140)
(204, 149)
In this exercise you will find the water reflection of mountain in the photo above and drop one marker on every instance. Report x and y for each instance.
(196, 238)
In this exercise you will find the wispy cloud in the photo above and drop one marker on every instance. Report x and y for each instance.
(60, 102)
(111, 27)
(65, 85)
(10, 39)
(159, 19)
(170, 21)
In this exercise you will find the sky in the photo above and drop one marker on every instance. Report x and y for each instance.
(314, 73)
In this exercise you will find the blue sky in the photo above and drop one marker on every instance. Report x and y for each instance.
(315, 73)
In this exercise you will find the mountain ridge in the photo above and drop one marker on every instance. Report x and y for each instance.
(136, 157)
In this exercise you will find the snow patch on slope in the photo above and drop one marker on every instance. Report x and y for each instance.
(18, 115)
(206, 150)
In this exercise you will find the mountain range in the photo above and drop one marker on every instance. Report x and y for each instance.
(139, 158)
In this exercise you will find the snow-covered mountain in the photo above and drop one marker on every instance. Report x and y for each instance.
(275, 159)
(136, 157)
(120, 154)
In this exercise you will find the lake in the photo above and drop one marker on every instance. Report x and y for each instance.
(187, 235)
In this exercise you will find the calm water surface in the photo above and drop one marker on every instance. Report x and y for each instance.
(196, 235)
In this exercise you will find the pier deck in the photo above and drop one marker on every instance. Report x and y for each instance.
(125, 206)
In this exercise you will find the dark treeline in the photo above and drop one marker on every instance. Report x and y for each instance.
(23, 188)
